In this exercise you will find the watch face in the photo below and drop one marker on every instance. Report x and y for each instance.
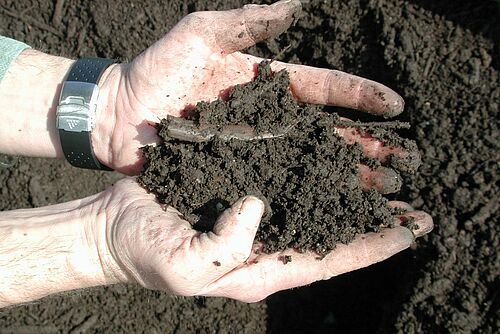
(77, 106)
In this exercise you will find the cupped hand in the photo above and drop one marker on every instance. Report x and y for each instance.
(144, 242)
(198, 60)
(151, 244)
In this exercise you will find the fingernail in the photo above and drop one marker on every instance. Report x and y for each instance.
(400, 206)
(295, 4)
(281, 2)
(380, 100)
(424, 223)
(407, 162)
(251, 5)
(251, 205)
(384, 180)
(389, 180)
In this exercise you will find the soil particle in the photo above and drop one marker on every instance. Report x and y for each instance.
(308, 176)
(285, 258)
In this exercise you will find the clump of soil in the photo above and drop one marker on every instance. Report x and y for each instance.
(307, 175)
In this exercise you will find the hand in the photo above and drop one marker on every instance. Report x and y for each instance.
(150, 244)
(196, 61)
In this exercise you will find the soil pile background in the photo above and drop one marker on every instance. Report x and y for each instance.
(443, 57)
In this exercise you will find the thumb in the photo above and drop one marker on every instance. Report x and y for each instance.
(237, 29)
(235, 230)
(214, 254)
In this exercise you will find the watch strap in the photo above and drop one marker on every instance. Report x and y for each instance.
(88, 69)
(77, 146)
(78, 150)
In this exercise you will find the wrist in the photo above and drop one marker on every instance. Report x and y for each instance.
(29, 95)
(124, 123)
(102, 135)
(49, 250)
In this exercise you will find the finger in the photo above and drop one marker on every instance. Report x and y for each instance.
(419, 222)
(239, 223)
(230, 244)
(404, 160)
(382, 179)
(233, 30)
(269, 274)
(422, 221)
(400, 205)
(336, 88)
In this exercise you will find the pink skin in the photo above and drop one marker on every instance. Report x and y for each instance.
(372, 147)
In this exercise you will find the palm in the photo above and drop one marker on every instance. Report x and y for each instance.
(193, 78)
(154, 246)
(157, 89)
(157, 248)
(198, 59)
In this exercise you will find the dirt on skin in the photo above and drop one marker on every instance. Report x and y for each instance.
(306, 174)
(442, 56)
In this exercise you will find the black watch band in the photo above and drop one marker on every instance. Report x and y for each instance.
(77, 148)
(88, 69)
(77, 145)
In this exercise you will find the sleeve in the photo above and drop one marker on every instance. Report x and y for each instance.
(9, 50)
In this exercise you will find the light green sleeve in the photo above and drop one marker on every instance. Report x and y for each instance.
(9, 50)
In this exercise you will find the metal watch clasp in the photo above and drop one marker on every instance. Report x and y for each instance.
(76, 111)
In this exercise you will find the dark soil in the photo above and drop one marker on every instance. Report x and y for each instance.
(442, 56)
(306, 175)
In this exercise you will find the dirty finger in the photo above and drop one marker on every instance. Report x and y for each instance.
(384, 180)
(336, 88)
(233, 30)
(400, 205)
(268, 273)
(404, 160)
(419, 222)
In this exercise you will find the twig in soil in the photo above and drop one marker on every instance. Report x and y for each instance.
(26, 10)
(56, 18)
(186, 130)
(280, 54)
(151, 18)
(376, 125)
(87, 324)
(31, 21)
(428, 65)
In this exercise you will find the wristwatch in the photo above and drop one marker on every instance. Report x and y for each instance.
(76, 112)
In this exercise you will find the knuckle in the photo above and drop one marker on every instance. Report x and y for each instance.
(329, 82)
(327, 271)
(253, 298)
(237, 250)
(194, 21)
(240, 255)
